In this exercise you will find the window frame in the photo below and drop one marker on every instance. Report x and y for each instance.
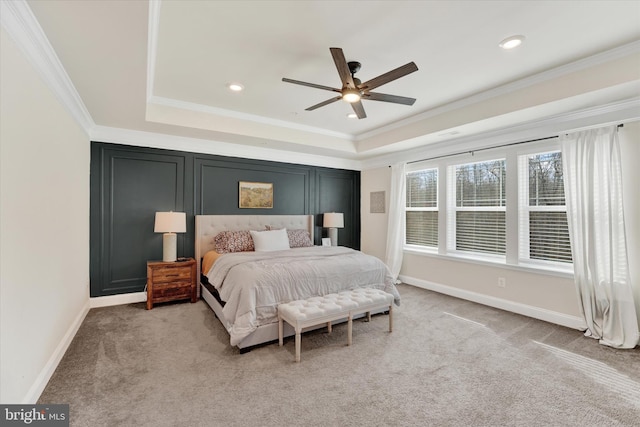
(420, 167)
(524, 210)
(446, 239)
(453, 209)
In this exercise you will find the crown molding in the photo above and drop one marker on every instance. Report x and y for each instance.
(22, 26)
(171, 142)
(543, 77)
(622, 111)
(152, 44)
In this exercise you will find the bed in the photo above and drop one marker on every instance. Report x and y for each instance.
(243, 288)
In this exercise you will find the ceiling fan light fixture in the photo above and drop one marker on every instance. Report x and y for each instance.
(511, 42)
(235, 87)
(351, 95)
(353, 90)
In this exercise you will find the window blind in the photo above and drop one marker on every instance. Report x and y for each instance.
(480, 201)
(422, 208)
(544, 231)
(549, 236)
(481, 231)
(422, 228)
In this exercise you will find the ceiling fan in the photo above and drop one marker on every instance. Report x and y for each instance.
(353, 90)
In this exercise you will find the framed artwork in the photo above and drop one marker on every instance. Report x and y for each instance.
(255, 195)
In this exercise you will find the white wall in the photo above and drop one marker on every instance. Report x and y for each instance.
(544, 296)
(374, 226)
(44, 228)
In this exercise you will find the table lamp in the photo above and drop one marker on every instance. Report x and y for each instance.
(333, 221)
(170, 223)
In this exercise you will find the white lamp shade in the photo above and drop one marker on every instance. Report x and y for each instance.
(333, 220)
(170, 222)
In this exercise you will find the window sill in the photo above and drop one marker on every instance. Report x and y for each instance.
(494, 262)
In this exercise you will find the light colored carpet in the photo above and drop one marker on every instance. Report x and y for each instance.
(448, 362)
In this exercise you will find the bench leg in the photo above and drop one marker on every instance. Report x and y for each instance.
(368, 316)
(280, 332)
(297, 345)
(391, 318)
(329, 327)
(349, 329)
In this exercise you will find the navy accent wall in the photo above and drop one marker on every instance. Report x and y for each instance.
(130, 184)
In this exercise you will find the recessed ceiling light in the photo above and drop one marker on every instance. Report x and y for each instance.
(352, 115)
(511, 42)
(235, 87)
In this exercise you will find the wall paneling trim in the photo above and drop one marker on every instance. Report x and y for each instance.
(129, 184)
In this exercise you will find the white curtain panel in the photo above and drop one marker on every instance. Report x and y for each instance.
(395, 228)
(593, 190)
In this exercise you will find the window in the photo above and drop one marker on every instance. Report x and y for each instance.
(504, 206)
(544, 232)
(477, 213)
(422, 208)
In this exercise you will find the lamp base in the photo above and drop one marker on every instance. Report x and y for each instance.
(333, 235)
(169, 247)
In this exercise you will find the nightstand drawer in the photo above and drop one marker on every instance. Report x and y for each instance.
(174, 290)
(171, 274)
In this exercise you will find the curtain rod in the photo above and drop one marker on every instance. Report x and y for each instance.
(488, 148)
(482, 149)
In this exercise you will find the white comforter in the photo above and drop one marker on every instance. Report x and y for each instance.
(253, 283)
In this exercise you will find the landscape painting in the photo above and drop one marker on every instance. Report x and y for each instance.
(256, 195)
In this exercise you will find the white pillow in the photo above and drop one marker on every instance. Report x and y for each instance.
(272, 240)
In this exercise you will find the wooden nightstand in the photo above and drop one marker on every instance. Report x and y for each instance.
(171, 281)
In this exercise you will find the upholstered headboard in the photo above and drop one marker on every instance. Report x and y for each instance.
(208, 226)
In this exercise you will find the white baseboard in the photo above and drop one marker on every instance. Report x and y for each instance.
(45, 375)
(110, 300)
(514, 307)
(49, 368)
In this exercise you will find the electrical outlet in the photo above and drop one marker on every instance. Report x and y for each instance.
(502, 282)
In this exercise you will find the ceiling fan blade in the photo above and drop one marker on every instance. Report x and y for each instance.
(323, 103)
(372, 96)
(359, 109)
(390, 76)
(342, 66)
(298, 82)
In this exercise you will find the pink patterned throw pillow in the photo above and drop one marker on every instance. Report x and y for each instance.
(299, 238)
(233, 241)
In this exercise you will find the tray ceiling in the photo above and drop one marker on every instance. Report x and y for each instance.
(164, 67)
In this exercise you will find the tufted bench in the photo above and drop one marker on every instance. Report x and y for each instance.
(325, 309)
